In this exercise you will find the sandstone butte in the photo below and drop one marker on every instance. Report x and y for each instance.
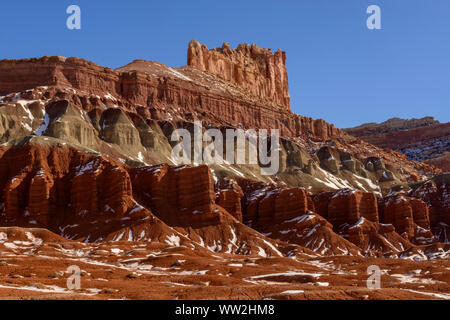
(87, 178)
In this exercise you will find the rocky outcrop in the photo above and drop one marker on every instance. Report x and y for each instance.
(84, 196)
(48, 184)
(396, 210)
(266, 204)
(154, 86)
(258, 70)
(110, 201)
(51, 71)
(375, 239)
(347, 206)
(180, 196)
(146, 92)
(419, 139)
(282, 205)
(87, 154)
(328, 160)
(391, 125)
(436, 194)
(183, 197)
(373, 223)
(313, 232)
(287, 214)
(409, 216)
(442, 162)
(420, 213)
(229, 195)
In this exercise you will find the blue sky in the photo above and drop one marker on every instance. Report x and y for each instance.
(338, 69)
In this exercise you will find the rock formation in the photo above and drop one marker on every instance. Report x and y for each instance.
(435, 193)
(179, 196)
(228, 196)
(419, 139)
(255, 69)
(86, 156)
(391, 125)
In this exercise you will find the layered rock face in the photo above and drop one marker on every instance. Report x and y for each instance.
(281, 205)
(179, 196)
(268, 204)
(346, 206)
(47, 184)
(91, 198)
(147, 90)
(346, 222)
(391, 125)
(369, 222)
(21, 75)
(397, 210)
(228, 196)
(441, 162)
(186, 90)
(103, 124)
(258, 70)
(287, 214)
(435, 194)
(419, 139)
(349, 206)
(87, 155)
(108, 201)
(87, 177)
(375, 239)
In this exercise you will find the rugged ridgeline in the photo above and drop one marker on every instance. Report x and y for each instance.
(147, 100)
(86, 154)
(423, 139)
(153, 87)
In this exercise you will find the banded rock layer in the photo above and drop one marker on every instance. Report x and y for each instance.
(87, 154)
(419, 139)
(253, 68)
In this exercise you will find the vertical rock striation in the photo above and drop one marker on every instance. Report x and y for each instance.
(258, 70)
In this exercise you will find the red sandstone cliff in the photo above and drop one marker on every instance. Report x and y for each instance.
(149, 91)
(256, 69)
(107, 115)
(154, 86)
(85, 155)
(419, 139)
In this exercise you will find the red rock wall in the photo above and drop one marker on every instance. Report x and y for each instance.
(420, 213)
(343, 208)
(258, 70)
(346, 206)
(48, 186)
(20, 75)
(155, 92)
(402, 138)
(321, 202)
(436, 194)
(229, 195)
(441, 162)
(275, 206)
(368, 206)
(182, 196)
(397, 211)
(283, 205)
